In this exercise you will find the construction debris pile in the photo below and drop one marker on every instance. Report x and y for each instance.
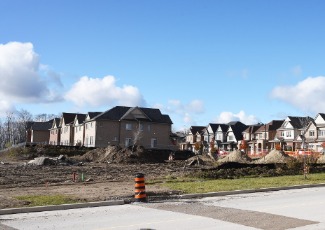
(235, 156)
(131, 155)
(274, 157)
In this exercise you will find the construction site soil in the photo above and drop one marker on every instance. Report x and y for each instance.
(108, 173)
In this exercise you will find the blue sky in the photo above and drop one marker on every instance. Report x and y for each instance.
(198, 61)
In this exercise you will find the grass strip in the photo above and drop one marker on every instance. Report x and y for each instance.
(44, 200)
(203, 186)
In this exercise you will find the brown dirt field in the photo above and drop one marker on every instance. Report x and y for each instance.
(102, 181)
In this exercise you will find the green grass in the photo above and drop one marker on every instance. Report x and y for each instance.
(190, 185)
(44, 200)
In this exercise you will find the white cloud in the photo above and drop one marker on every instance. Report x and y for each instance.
(186, 113)
(226, 117)
(307, 95)
(176, 106)
(21, 81)
(103, 91)
(5, 107)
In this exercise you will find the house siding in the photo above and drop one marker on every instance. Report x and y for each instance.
(40, 136)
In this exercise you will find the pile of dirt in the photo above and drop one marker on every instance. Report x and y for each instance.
(201, 160)
(235, 156)
(116, 154)
(274, 157)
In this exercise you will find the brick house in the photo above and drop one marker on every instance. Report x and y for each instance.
(38, 132)
(125, 126)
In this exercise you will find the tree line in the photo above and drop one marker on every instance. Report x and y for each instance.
(14, 124)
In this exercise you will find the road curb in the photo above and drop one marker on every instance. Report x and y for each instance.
(225, 193)
(60, 207)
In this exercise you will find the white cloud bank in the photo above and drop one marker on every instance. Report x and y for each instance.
(21, 81)
(307, 95)
(103, 92)
(226, 117)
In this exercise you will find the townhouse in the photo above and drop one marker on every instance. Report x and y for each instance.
(314, 135)
(288, 135)
(194, 135)
(55, 132)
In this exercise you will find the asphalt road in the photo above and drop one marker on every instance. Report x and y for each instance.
(290, 209)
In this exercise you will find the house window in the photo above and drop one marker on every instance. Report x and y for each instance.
(288, 134)
(141, 127)
(76, 129)
(282, 134)
(79, 128)
(128, 126)
(91, 124)
(312, 133)
(128, 142)
(321, 133)
(91, 140)
(230, 138)
(86, 126)
(115, 139)
(149, 128)
(153, 142)
(219, 137)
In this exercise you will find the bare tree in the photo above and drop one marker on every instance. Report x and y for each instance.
(137, 135)
(10, 119)
(23, 117)
(2, 135)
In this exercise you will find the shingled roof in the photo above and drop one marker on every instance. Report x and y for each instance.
(81, 118)
(41, 126)
(195, 129)
(300, 122)
(69, 117)
(237, 128)
(117, 113)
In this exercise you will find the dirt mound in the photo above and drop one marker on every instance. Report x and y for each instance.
(235, 156)
(273, 157)
(115, 154)
(200, 160)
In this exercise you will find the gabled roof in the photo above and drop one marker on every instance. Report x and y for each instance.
(195, 129)
(68, 118)
(93, 114)
(299, 122)
(214, 126)
(237, 128)
(80, 117)
(322, 115)
(117, 113)
(55, 123)
(271, 126)
(224, 127)
(252, 128)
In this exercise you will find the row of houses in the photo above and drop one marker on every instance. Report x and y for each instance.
(290, 134)
(125, 126)
(120, 125)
